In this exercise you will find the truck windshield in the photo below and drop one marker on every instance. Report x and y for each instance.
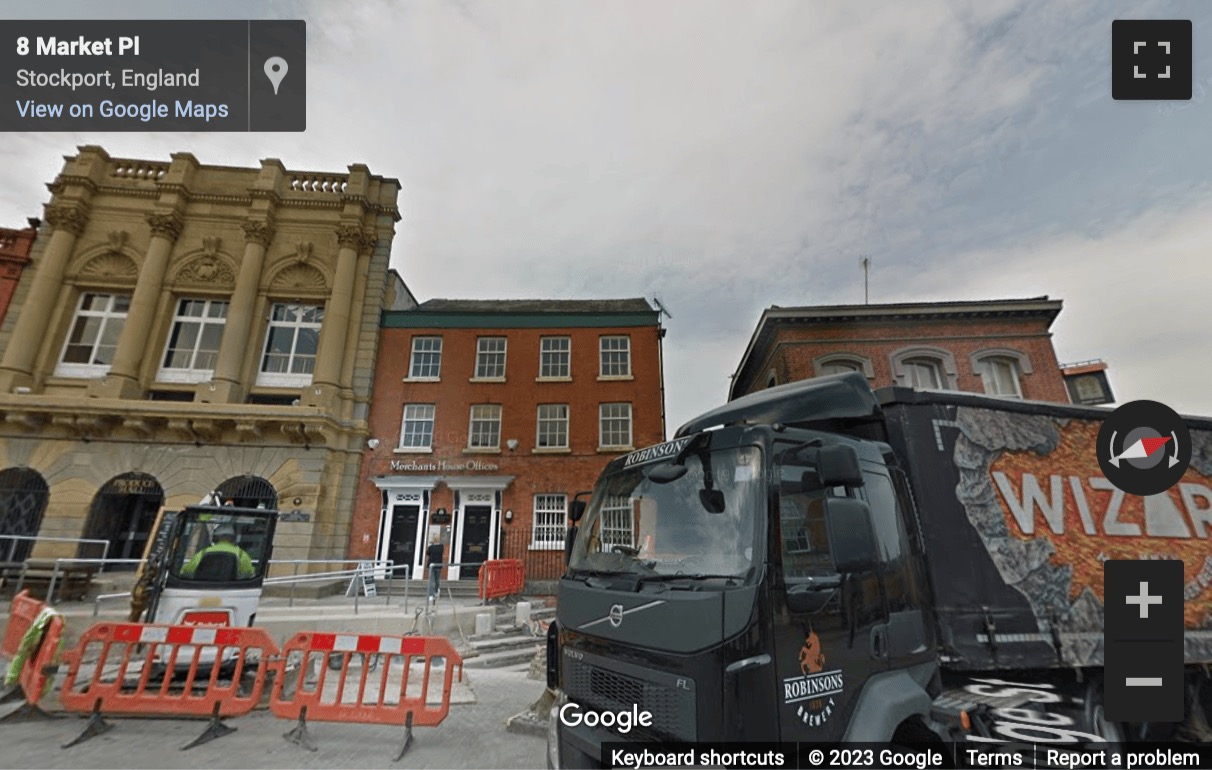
(701, 524)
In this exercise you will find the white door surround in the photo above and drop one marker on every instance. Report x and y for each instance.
(476, 491)
(405, 490)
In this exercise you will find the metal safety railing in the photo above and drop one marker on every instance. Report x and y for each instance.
(375, 567)
(383, 567)
(58, 571)
(17, 539)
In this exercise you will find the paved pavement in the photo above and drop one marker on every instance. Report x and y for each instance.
(472, 736)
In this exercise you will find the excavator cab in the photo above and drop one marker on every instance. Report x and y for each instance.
(211, 566)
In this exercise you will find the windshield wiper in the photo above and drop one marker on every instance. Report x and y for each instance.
(670, 576)
(814, 583)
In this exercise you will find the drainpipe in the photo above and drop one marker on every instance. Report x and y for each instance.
(661, 367)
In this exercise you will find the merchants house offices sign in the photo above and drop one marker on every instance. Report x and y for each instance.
(442, 465)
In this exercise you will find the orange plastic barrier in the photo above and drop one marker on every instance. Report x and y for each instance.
(21, 616)
(35, 675)
(138, 669)
(400, 696)
(501, 577)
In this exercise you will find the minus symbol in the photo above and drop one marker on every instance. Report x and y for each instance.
(1143, 681)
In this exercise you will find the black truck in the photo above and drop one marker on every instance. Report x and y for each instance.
(821, 562)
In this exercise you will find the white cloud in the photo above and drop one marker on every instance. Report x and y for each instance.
(731, 156)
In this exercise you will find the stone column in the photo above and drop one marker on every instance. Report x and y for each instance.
(68, 221)
(226, 386)
(357, 312)
(326, 380)
(123, 378)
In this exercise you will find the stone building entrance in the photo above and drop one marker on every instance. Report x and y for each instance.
(23, 498)
(123, 513)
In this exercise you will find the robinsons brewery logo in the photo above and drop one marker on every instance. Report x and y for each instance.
(812, 691)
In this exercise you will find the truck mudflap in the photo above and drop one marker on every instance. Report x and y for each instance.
(995, 711)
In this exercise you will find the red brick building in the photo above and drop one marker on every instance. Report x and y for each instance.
(15, 246)
(488, 416)
(1000, 347)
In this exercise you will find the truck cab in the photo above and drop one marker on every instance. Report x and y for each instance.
(757, 582)
(824, 563)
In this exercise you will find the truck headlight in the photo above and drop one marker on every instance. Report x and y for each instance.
(553, 731)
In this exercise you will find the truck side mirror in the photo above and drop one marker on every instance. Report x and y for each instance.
(851, 534)
(838, 466)
(576, 511)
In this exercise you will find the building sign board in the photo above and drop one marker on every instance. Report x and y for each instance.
(431, 466)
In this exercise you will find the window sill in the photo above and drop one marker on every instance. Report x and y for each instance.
(482, 450)
(283, 381)
(615, 449)
(545, 547)
(615, 378)
(486, 379)
(551, 450)
(413, 450)
(80, 371)
(422, 379)
(184, 376)
(553, 379)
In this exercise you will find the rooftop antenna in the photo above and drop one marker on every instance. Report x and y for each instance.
(661, 308)
(865, 261)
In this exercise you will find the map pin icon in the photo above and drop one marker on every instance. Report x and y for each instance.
(275, 70)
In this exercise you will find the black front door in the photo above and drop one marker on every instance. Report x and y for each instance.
(133, 517)
(477, 524)
(402, 546)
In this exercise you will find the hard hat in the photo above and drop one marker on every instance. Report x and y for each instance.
(225, 530)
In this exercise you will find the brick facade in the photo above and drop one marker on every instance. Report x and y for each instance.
(15, 247)
(958, 339)
(402, 489)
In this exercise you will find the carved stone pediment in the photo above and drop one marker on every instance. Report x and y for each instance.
(207, 270)
(299, 277)
(110, 266)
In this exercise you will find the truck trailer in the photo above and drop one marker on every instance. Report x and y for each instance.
(821, 562)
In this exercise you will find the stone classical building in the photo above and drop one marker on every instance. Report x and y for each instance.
(490, 415)
(1000, 347)
(15, 246)
(185, 328)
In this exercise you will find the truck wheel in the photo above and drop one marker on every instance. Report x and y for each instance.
(1095, 721)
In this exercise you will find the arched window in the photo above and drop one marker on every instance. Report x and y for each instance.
(771, 379)
(248, 492)
(925, 367)
(840, 363)
(23, 498)
(1001, 371)
(123, 512)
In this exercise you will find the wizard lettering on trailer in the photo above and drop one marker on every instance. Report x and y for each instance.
(811, 693)
(1061, 497)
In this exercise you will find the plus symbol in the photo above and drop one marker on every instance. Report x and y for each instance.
(1144, 600)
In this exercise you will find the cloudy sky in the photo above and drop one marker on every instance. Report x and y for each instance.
(727, 156)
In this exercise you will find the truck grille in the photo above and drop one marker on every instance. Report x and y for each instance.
(600, 689)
